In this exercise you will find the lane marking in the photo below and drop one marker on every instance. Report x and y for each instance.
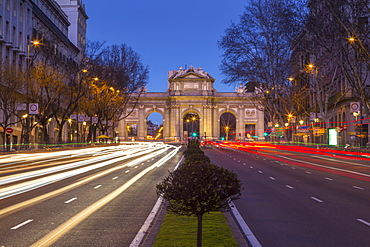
(98, 186)
(290, 187)
(308, 172)
(64, 228)
(330, 179)
(127, 171)
(359, 188)
(364, 221)
(114, 178)
(293, 167)
(148, 222)
(244, 227)
(71, 200)
(272, 178)
(316, 199)
(251, 167)
(21, 224)
(260, 172)
(244, 164)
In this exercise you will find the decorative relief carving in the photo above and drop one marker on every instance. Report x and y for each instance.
(251, 112)
(133, 113)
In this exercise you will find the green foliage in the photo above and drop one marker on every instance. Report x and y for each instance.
(195, 189)
(197, 158)
(193, 144)
(192, 151)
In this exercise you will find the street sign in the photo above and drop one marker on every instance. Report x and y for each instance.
(33, 108)
(9, 130)
(354, 107)
(81, 117)
(94, 120)
(22, 107)
(312, 116)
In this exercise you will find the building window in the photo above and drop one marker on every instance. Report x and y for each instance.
(20, 41)
(21, 12)
(14, 36)
(15, 8)
(1, 26)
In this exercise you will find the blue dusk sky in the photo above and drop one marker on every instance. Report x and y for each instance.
(166, 33)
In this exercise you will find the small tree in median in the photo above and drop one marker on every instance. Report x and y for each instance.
(196, 189)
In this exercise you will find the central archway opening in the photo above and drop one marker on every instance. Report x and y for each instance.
(191, 126)
(227, 126)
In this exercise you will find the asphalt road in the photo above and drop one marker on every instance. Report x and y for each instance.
(293, 202)
(96, 208)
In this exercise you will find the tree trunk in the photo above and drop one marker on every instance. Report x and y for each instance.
(199, 234)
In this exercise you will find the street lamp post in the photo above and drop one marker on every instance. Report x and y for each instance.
(356, 114)
(29, 44)
(227, 128)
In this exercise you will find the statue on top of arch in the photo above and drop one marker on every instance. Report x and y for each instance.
(241, 89)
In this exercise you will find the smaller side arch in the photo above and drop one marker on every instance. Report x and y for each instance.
(155, 131)
(227, 125)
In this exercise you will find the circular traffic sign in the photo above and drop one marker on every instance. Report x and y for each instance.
(9, 130)
(81, 118)
(33, 107)
(355, 106)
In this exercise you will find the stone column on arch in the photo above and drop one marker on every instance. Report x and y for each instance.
(260, 124)
(240, 122)
(142, 125)
(166, 123)
(215, 123)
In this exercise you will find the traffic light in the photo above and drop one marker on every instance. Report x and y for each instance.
(267, 132)
(194, 134)
(222, 138)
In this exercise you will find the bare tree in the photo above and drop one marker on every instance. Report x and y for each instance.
(11, 87)
(336, 40)
(257, 50)
(119, 77)
(46, 82)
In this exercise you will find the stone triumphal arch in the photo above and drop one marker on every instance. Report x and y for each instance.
(192, 108)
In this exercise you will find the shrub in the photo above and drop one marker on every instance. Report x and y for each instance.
(197, 158)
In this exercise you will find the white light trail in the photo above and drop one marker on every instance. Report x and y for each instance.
(54, 235)
(127, 154)
(30, 185)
